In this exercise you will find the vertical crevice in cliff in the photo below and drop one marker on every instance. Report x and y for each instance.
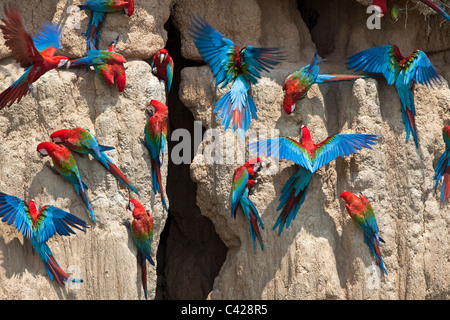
(190, 253)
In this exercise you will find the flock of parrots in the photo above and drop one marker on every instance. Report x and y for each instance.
(230, 65)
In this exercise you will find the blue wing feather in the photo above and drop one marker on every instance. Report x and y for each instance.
(48, 37)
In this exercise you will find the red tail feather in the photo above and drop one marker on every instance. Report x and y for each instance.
(254, 225)
(117, 173)
(13, 93)
(157, 172)
(58, 274)
(446, 190)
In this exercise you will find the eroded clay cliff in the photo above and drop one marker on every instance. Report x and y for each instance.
(200, 251)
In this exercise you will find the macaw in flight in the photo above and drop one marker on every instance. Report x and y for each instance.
(297, 85)
(35, 54)
(240, 67)
(310, 157)
(37, 226)
(403, 72)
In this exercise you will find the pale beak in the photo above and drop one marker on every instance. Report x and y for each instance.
(162, 57)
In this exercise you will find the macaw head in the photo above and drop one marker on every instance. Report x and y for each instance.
(157, 106)
(136, 208)
(162, 55)
(45, 148)
(254, 165)
(62, 61)
(130, 9)
(347, 196)
(59, 136)
(291, 95)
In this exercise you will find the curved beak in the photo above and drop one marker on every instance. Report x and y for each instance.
(162, 57)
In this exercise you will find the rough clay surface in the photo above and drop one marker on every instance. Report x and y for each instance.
(322, 254)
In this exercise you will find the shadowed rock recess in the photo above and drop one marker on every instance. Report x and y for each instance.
(200, 251)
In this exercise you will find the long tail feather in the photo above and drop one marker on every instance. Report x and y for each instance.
(53, 269)
(143, 264)
(326, 78)
(408, 112)
(156, 180)
(292, 197)
(81, 191)
(15, 92)
(374, 247)
(112, 168)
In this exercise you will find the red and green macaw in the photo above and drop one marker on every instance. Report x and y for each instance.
(383, 7)
(402, 72)
(142, 233)
(108, 64)
(310, 157)
(361, 212)
(82, 141)
(162, 68)
(98, 10)
(442, 169)
(35, 54)
(228, 64)
(155, 136)
(297, 85)
(243, 182)
(65, 165)
(37, 226)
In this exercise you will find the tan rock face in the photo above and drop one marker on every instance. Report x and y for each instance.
(322, 254)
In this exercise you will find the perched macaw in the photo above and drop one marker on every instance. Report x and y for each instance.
(401, 72)
(310, 157)
(35, 54)
(142, 233)
(383, 7)
(228, 64)
(243, 181)
(108, 64)
(443, 167)
(155, 140)
(162, 68)
(363, 215)
(65, 165)
(38, 226)
(82, 141)
(297, 85)
(98, 10)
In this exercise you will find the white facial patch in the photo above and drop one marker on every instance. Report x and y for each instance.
(131, 205)
(293, 107)
(162, 57)
(56, 139)
(43, 152)
(62, 62)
